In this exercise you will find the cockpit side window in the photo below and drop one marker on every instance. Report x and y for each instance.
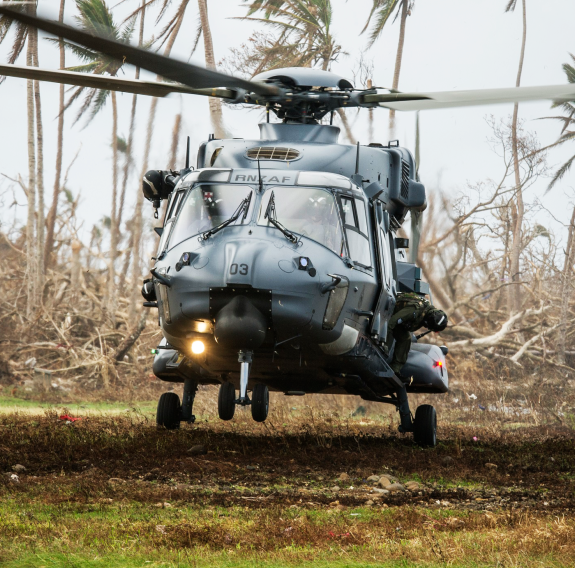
(307, 211)
(174, 206)
(355, 222)
(207, 206)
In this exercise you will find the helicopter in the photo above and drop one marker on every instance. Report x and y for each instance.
(278, 265)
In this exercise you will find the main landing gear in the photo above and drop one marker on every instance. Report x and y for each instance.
(260, 394)
(170, 412)
(423, 426)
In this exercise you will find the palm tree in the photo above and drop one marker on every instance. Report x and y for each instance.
(383, 10)
(305, 37)
(51, 219)
(518, 208)
(568, 121)
(24, 37)
(215, 104)
(167, 36)
(96, 18)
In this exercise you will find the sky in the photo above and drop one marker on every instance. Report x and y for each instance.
(449, 45)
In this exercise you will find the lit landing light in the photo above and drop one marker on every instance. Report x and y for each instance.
(198, 347)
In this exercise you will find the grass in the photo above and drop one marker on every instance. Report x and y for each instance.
(112, 490)
(136, 534)
(10, 405)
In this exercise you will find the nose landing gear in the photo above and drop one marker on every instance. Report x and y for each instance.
(260, 394)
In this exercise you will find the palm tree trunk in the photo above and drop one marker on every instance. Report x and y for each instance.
(398, 59)
(514, 292)
(215, 104)
(370, 131)
(346, 126)
(40, 221)
(565, 291)
(51, 220)
(175, 139)
(31, 280)
(114, 228)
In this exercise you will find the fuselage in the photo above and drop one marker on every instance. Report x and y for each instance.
(310, 294)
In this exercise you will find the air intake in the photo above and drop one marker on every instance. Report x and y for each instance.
(273, 153)
(404, 180)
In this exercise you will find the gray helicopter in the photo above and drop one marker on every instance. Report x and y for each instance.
(278, 265)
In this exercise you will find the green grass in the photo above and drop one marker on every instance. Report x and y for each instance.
(10, 405)
(131, 534)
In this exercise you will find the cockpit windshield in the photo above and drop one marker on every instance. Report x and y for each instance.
(206, 207)
(309, 212)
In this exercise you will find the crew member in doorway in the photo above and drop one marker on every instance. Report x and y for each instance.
(411, 312)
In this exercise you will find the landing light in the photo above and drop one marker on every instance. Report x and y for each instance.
(202, 327)
(198, 347)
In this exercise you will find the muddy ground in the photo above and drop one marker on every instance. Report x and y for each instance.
(311, 465)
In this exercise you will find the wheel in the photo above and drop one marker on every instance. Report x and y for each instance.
(169, 411)
(260, 402)
(425, 426)
(227, 401)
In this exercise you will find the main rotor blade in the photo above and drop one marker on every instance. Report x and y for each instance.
(105, 82)
(185, 73)
(448, 99)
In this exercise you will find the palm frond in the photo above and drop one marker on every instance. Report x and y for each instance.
(511, 6)
(196, 38)
(384, 13)
(561, 172)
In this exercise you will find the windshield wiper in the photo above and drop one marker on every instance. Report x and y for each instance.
(272, 217)
(243, 207)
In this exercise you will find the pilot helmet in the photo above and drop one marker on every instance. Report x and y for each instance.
(436, 320)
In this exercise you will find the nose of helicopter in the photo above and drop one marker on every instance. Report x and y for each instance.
(240, 325)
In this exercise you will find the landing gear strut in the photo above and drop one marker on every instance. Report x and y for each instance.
(245, 359)
(190, 390)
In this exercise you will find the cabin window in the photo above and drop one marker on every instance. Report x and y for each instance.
(206, 207)
(306, 211)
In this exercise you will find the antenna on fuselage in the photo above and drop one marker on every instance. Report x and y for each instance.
(188, 154)
(261, 183)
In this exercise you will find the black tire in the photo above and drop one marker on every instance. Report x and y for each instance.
(227, 401)
(425, 426)
(260, 402)
(169, 411)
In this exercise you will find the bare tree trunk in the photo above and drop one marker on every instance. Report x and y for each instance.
(514, 292)
(175, 139)
(346, 126)
(52, 213)
(398, 59)
(75, 270)
(565, 291)
(114, 228)
(137, 222)
(215, 104)
(31, 279)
